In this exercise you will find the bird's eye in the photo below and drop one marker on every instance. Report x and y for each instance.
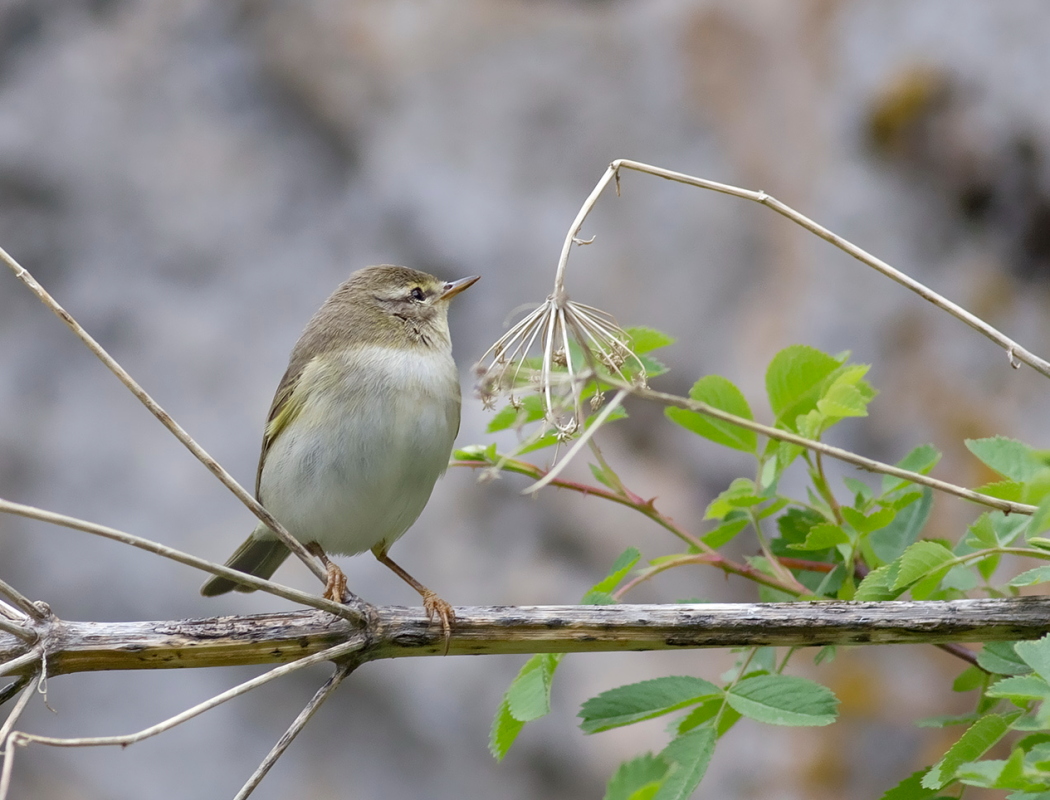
(417, 294)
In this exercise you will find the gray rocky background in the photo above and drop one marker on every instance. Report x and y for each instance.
(191, 178)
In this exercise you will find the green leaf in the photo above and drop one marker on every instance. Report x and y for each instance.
(637, 779)
(505, 730)
(869, 523)
(920, 560)
(1020, 687)
(974, 743)
(690, 753)
(1004, 490)
(1002, 659)
(889, 542)
(982, 533)
(1040, 519)
(514, 415)
(623, 564)
(1009, 457)
(476, 452)
(969, 679)
(823, 536)
(707, 710)
(725, 532)
(742, 493)
(922, 460)
(794, 380)
(720, 393)
(843, 400)
(910, 788)
(1036, 655)
(877, 585)
(946, 720)
(1031, 577)
(634, 702)
(529, 696)
(784, 700)
(645, 340)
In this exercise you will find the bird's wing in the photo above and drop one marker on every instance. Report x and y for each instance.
(285, 408)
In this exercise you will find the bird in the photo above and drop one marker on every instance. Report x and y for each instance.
(360, 428)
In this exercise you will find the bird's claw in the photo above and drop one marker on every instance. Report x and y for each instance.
(436, 607)
(335, 585)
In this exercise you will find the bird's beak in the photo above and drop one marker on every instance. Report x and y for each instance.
(455, 287)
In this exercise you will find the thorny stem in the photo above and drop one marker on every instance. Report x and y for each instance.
(648, 509)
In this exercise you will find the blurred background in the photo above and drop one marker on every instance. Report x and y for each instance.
(191, 179)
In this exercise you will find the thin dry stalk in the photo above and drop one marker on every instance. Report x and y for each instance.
(165, 419)
(288, 593)
(327, 690)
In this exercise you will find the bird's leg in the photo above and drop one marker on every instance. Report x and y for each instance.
(335, 586)
(433, 604)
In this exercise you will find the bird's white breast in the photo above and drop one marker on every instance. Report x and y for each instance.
(358, 463)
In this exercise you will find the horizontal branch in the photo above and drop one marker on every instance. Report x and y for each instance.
(397, 632)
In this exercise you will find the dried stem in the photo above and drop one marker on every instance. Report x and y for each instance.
(7, 741)
(330, 654)
(154, 408)
(23, 603)
(286, 592)
(322, 694)
(1015, 352)
(868, 464)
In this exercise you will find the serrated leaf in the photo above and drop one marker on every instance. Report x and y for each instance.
(635, 702)
(784, 700)
(1002, 659)
(1009, 457)
(645, 340)
(624, 563)
(1031, 577)
(969, 679)
(505, 730)
(476, 452)
(974, 743)
(720, 393)
(1021, 687)
(983, 532)
(920, 560)
(877, 585)
(889, 542)
(1013, 491)
(922, 459)
(724, 533)
(690, 753)
(636, 777)
(514, 415)
(821, 537)
(741, 493)
(1036, 655)
(593, 598)
(528, 697)
(946, 720)
(794, 380)
(872, 522)
(843, 400)
(1040, 519)
(910, 788)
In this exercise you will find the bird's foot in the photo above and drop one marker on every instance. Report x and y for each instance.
(436, 607)
(335, 585)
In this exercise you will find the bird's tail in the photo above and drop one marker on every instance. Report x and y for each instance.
(258, 557)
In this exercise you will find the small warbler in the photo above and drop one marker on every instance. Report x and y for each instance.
(360, 428)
